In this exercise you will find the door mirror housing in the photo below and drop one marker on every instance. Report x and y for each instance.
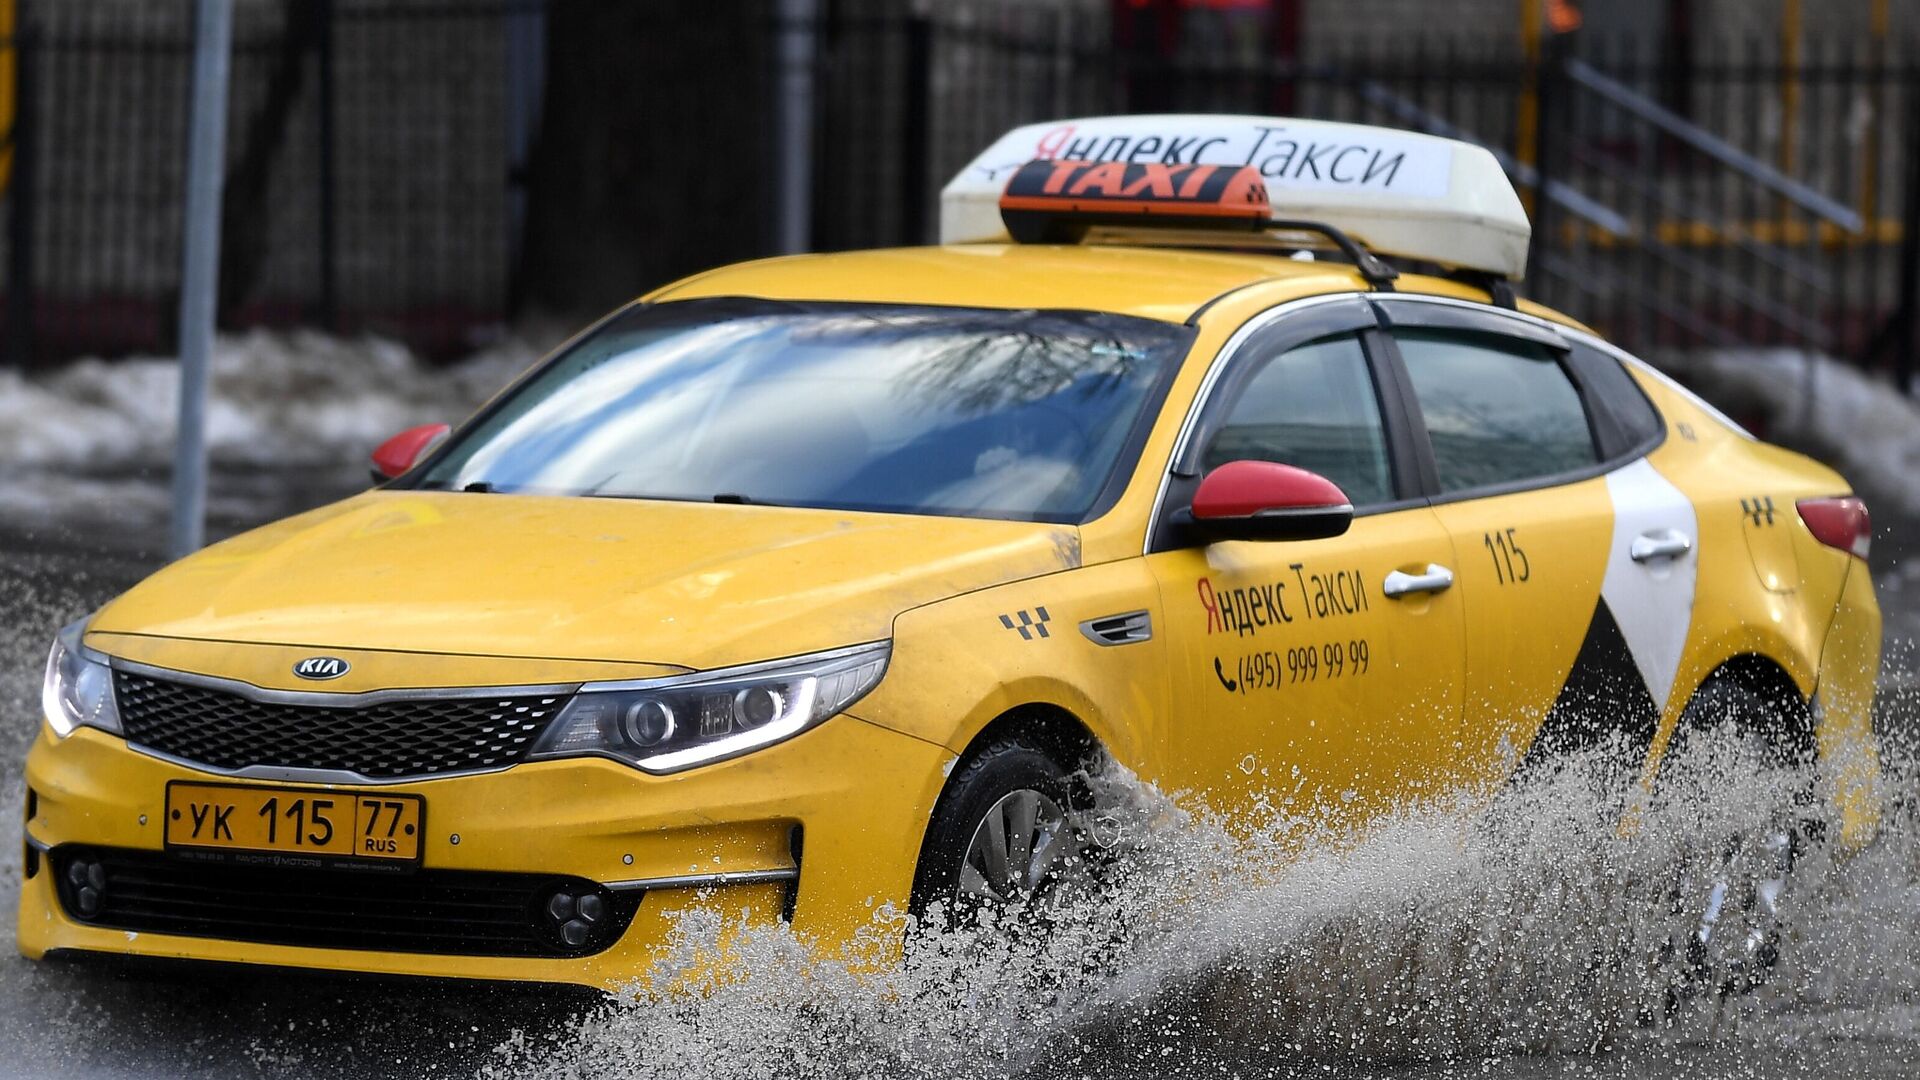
(1265, 500)
(405, 450)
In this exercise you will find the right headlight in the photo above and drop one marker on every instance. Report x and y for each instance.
(665, 725)
(79, 686)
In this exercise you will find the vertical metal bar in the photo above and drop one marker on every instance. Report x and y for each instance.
(1752, 206)
(329, 298)
(206, 164)
(1790, 55)
(798, 24)
(1526, 127)
(22, 176)
(1907, 322)
(1547, 94)
(916, 115)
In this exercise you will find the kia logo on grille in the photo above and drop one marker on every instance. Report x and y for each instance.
(321, 667)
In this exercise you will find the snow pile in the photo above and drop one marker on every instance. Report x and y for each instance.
(1860, 425)
(276, 399)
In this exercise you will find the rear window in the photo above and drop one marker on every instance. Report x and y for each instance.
(1499, 410)
(1025, 415)
(1621, 410)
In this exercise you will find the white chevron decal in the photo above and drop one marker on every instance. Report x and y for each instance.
(1653, 600)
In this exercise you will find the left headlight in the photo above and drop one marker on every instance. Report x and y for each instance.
(79, 686)
(665, 725)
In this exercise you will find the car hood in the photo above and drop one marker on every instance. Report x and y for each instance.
(687, 584)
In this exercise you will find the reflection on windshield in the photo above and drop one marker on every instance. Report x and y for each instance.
(1018, 414)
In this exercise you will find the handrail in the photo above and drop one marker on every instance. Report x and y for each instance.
(1589, 279)
(1582, 206)
(1779, 257)
(1746, 165)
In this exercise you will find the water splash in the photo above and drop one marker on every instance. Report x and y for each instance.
(1461, 930)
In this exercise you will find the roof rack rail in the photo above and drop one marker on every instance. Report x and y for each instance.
(1373, 268)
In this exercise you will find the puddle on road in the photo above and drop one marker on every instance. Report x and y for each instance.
(1454, 937)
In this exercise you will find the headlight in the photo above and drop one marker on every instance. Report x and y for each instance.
(79, 686)
(664, 725)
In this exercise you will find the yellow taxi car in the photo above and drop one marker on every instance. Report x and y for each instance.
(800, 588)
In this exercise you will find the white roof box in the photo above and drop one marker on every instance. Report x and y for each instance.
(1397, 192)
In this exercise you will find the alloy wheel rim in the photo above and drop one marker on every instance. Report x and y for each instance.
(1016, 848)
(1759, 894)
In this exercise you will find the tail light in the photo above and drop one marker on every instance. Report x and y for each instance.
(1840, 522)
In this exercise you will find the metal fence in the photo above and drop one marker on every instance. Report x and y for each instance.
(426, 168)
(369, 162)
(1736, 199)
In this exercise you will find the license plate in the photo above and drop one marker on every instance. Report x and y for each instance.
(295, 821)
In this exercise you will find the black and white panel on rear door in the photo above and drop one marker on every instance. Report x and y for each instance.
(1625, 670)
(1649, 584)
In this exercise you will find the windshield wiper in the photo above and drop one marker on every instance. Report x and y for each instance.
(479, 487)
(732, 498)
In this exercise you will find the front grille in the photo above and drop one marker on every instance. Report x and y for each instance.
(394, 739)
(450, 912)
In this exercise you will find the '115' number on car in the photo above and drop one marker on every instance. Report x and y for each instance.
(1509, 560)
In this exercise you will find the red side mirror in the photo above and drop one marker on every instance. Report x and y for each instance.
(404, 451)
(1264, 500)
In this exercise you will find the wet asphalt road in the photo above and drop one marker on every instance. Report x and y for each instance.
(67, 1019)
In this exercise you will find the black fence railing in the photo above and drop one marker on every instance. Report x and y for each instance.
(1729, 201)
(428, 168)
(370, 171)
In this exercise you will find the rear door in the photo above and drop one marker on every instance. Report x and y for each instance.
(1576, 565)
(1299, 676)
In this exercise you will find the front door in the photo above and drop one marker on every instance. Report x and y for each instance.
(1317, 675)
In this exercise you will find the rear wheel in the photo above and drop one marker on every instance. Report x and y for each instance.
(1736, 903)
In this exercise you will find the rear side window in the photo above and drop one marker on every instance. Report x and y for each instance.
(1625, 420)
(1313, 407)
(1499, 410)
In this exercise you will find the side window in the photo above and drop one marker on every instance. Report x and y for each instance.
(1620, 408)
(1313, 406)
(1499, 410)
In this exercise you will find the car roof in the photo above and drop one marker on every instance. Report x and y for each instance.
(1168, 284)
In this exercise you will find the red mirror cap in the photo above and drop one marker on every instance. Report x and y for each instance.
(1244, 489)
(404, 450)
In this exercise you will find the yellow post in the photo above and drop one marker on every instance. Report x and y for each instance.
(6, 92)
(1526, 121)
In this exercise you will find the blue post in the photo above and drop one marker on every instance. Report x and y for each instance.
(200, 272)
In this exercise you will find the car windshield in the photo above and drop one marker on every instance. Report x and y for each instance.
(982, 413)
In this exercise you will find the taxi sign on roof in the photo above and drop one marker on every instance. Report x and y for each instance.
(1397, 192)
(1044, 197)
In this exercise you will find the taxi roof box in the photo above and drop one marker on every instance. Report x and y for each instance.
(1398, 192)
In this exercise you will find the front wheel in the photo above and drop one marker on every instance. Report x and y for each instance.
(1002, 835)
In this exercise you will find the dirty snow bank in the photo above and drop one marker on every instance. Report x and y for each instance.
(276, 399)
(1860, 424)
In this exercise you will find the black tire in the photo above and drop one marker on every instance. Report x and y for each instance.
(1006, 765)
(1726, 700)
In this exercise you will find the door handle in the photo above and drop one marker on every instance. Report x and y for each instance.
(1399, 583)
(1660, 544)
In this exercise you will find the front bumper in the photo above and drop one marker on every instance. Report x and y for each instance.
(855, 797)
